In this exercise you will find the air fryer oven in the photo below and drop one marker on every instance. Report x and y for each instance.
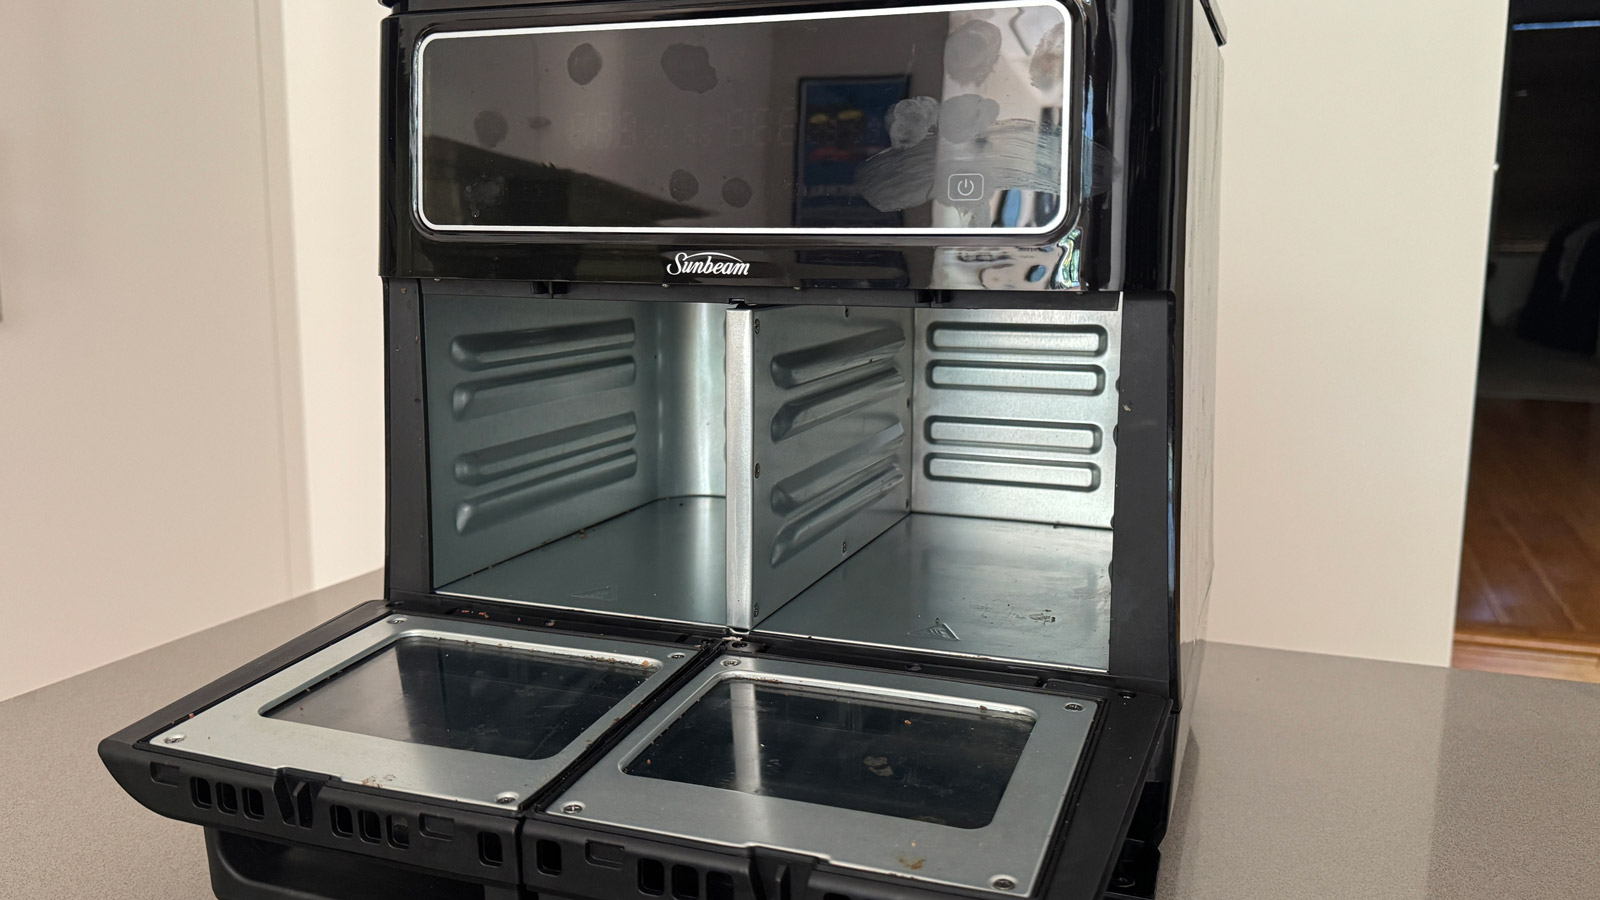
(798, 444)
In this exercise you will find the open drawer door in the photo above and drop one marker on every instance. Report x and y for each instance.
(411, 738)
(766, 776)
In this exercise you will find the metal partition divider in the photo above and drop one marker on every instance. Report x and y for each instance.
(821, 462)
(740, 467)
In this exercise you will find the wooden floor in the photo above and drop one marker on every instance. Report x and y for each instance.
(1530, 566)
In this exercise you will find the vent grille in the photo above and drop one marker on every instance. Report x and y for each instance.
(1015, 411)
(613, 870)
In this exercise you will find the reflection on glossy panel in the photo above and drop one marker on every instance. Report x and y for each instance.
(467, 697)
(946, 766)
(932, 118)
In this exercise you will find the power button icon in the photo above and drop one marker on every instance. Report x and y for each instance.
(966, 186)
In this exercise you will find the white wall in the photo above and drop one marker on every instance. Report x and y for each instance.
(1358, 156)
(330, 78)
(191, 382)
(147, 482)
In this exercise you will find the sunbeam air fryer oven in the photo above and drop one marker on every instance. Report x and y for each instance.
(798, 467)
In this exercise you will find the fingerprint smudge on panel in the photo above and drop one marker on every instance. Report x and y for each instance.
(964, 117)
(484, 194)
(584, 63)
(491, 128)
(972, 52)
(1044, 67)
(736, 192)
(911, 120)
(683, 185)
(688, 67)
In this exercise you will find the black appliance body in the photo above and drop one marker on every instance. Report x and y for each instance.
(799, 424)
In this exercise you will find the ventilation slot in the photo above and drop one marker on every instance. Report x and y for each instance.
(227, 798)
(255, 804)
(399, 833)
(371, 826)
(200, 792)
(652, 877)
(161, 773)
(342, 822)
(489, 850)
(685, 883)
(719, 886)
(547, 857)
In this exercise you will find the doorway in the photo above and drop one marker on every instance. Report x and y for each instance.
(1529, 596)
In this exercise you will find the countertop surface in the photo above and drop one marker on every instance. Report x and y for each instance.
(1308, 777)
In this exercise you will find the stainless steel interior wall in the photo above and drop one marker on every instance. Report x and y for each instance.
(823, 426)
(548, 416)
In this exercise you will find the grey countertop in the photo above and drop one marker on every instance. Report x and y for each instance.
(1309, 777)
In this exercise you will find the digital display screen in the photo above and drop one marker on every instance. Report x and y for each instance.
(463, 696)
(944, 119)
(948, 766)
